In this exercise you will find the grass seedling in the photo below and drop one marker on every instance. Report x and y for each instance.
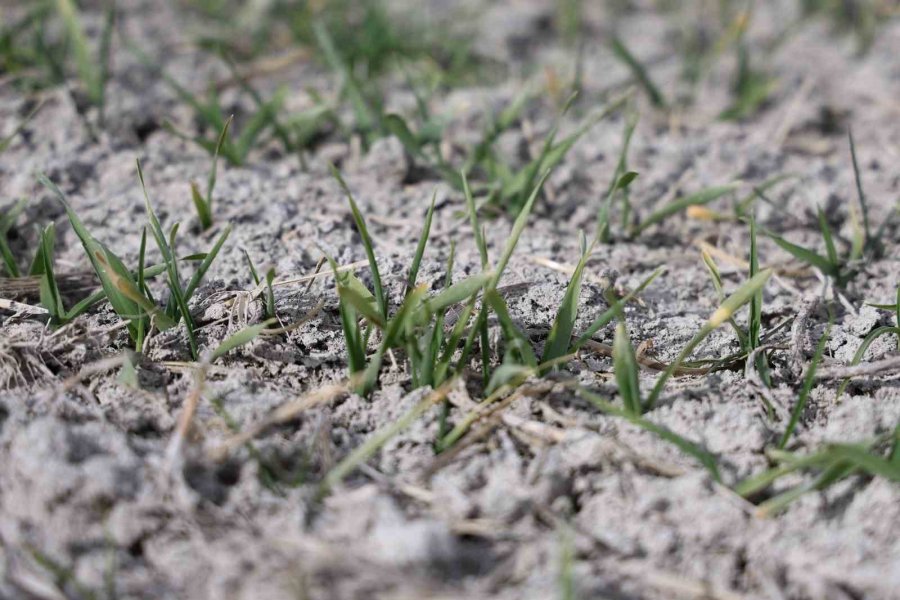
(640, 74)
(701, 198)
(876, 458)
(622, 178)
(269, 278)
(416, 326)
(808, 381)
(874, 335)
(120, 286)
(688, 447)
(368, 244)
(179, 294)
(93, 72)
(6, 141)
(751, 88)
(727, 308)
(7, 221)
(830, 265)
(203, 204)
(560, 337)
(754, 326)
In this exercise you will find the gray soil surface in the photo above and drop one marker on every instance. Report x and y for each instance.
(91, 505)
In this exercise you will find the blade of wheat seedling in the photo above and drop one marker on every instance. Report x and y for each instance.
(362, 303)
(84, 62)
(697, 199)
(517, 229)
(725, 311)
(804, 392)
(240, 338)
(626, 369)
(457, 292)
(705, 458)
(368, 245)
(639, 72)
(861, 352)
(366, 116)
(420, 247)
(106, 265)
(607, 316)
(206, 263)
(720, 296)
(105, 60)
(863, 204)
(808, 256)
(473, 219)
(560, 337)
(353, 339)
(42, 266)
(829, 240)
(755, 325)
(362, 453)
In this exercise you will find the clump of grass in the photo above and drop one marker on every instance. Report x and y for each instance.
(179, 293)
(128, 292)
(120, 286)
(38, 58)
(417, 324)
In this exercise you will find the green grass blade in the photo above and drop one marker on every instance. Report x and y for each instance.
(721, 315)
(457, 292)
(84, 62)
(516, 233)
(804, 392)
(705, 458)
(626, 369)
(473, 219)
(639, 72)
(608, 315)
(697, 199)
(420, 247)
(368, 244)
(808, 256)
(206, 263)
(560, 337)
(240, 338)
(863, 204)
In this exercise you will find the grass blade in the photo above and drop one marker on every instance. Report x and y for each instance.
(368, 245)
(639, 72)
(804, 392)
(560, 337)
(697, 199)
(725, 311)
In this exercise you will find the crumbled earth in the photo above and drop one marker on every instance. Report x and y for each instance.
(93, 506)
